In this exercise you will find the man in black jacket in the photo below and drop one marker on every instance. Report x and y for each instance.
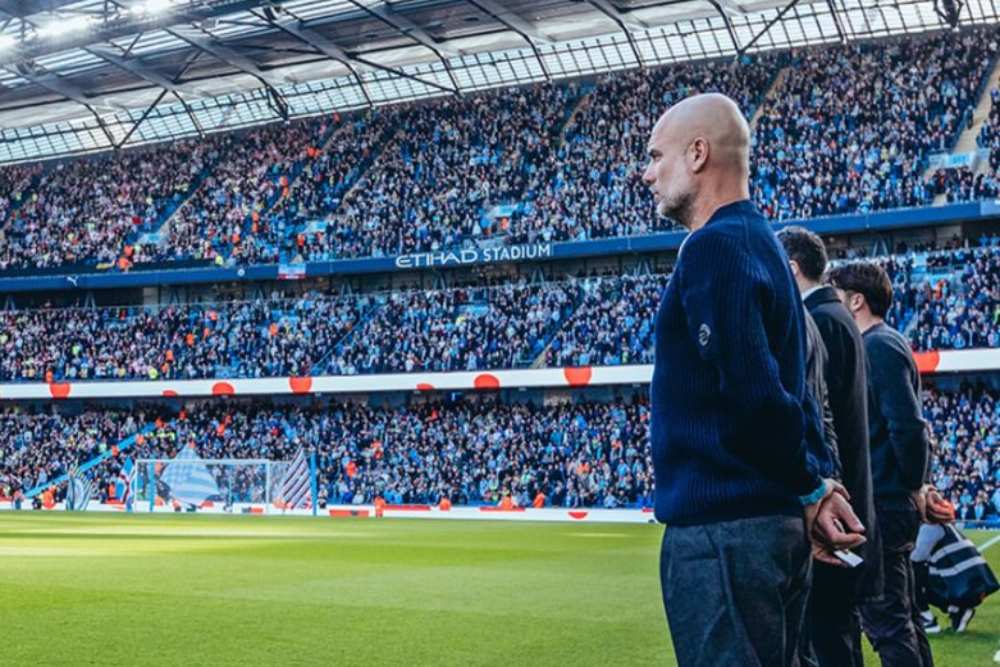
(816, 362)
(834, 619)
(900, 450)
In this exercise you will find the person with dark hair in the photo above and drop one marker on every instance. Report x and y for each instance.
(833, 617)
(900, 452)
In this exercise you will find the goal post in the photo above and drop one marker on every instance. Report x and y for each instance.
(234, 485)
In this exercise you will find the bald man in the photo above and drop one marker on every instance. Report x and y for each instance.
(733, 426)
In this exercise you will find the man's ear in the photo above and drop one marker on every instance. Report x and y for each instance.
(857, 302)
(794, 266)
(698, 152)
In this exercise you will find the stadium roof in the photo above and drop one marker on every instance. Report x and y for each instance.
(86, 75)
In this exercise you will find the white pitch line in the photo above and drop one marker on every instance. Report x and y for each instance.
(989, 543)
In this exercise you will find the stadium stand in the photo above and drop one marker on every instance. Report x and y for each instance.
(967, 184)
(852, 126)
(330, 261)
(956, 305)
(297, 228)
(87, 209)
(946, 299)
(591, 188)
(587, 453)
(254, 169)
(548, 162)
(247, 339)
(966, 461)
(448, 167)
(838, 129)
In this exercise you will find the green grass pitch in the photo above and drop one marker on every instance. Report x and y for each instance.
(215, 590)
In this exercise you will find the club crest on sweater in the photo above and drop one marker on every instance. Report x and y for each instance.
(704, 335)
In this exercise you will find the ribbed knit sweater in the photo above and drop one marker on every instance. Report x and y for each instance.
(731, 423)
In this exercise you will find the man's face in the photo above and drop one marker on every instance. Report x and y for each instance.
(667, 176)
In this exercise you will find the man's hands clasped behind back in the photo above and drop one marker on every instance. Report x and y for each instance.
(831, 524)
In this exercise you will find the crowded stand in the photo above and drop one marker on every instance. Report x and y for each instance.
(415, 330)
(437, 183)
(265, 337)
(586, 453)
(957, 305)
(297, 229)
(964, 184)
(254, 169)
(989, 139)
(592, 188)
(16, 182)
(87, 209)
(953, 302)
(965, 463)
(613, 324)
(982, 181)
(839, 129)
(470, 452)
(37, 446)
(851, 127)
(546, 162)
(457, 329)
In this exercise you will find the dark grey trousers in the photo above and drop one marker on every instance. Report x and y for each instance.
(735, 592)
(892, 622)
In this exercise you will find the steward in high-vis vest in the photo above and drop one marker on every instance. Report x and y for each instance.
(958, 578)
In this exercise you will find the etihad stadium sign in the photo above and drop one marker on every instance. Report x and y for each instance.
(517, 253)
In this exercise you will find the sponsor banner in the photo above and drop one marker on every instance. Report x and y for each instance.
(291, 272)
(947, 361)
(954, 161)
(483, 513)
(463, 256)
(565, 515)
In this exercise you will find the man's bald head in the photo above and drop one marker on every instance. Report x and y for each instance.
(715, 118)
(699, 150)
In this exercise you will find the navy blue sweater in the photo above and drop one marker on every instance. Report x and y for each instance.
(731, 425)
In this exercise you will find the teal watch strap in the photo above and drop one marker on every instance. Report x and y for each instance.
(815, 496)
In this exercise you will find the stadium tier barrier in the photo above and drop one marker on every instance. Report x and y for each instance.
(934, 362)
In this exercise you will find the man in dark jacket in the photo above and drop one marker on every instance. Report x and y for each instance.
(825, 441)
(900, 451)
(833, 607)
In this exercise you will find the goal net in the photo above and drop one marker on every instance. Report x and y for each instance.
(189, 483)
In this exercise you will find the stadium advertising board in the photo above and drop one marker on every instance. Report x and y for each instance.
(945, 361)
(464, 256)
